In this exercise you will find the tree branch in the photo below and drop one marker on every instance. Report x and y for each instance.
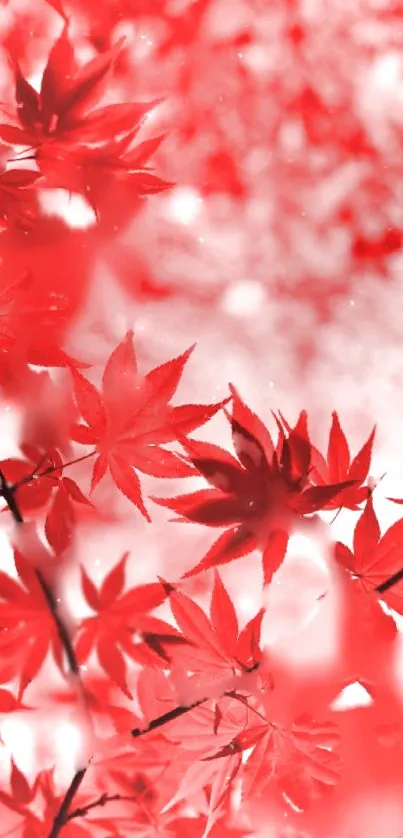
(61, 628)
(8, 495)
(101, 801)
(180, 710)
(61, 817)
(167, 717)
(389, 583)
(35, 474)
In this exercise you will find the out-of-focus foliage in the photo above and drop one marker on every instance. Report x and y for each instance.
(225, 172)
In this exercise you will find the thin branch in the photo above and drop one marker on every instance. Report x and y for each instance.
(389, 583)
(336, 516)
(62, 815)
(61, 628)
(180, 710)
(101, 801)
(49, 470)
(159, 721)
(7, 493)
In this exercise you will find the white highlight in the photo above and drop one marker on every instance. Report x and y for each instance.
(305, 547)
(355, 695)
(18, 736)
(184, 205)
(68, 741)
(72, 208)
(243, 298)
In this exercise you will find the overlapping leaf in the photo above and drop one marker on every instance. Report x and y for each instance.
(37, 805)
(67, 95)
(39, 479)
(216, 650)
(259, 496)
(27, 628)
(74, 141)
(302, 762)
(122, 625)
(338, 467)
(377, 561)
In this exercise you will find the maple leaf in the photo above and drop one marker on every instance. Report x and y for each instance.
(90, 170)
(132, 417)
(122, 625)
(27, 628)
(67, 93)
(338, 466)
(36, 476)
(259, 496)
(43, 797)
(30, 328)
(38, 479)
(218, 777)
(303, 762)
(72, 140)
(216, 651)
(376, 561)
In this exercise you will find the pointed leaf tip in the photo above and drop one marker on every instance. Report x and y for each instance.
(168, 588)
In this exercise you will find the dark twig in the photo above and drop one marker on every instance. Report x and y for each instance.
(389, 583)
(101, 801)
(159, 721)
(180, 710)
(61, 628)
(7, 492)
(336, 515)
(35, 475)
(63, 813)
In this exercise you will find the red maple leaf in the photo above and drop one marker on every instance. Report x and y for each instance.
(30, 328)
(302, 762)
(216, 651)
(63, 109)
(122, 625)
(260, 495)
(37, 480)
(73, 142)
(27, 627)
(128, 432)
(42, 796)
(338, 466)
(376, 561)
(37, 476)
(89, 170)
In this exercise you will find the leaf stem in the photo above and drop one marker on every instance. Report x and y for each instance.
(336, 515)
(49, 470)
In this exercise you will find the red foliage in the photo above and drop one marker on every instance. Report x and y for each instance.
(256, 119)
(261, 496)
